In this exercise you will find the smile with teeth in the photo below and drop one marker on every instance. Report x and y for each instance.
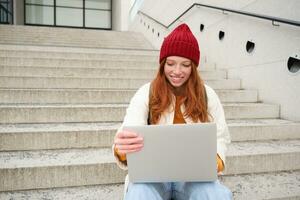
(176, 79)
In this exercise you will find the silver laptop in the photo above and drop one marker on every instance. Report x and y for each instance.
(171, 153)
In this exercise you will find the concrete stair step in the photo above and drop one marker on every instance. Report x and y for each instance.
(262, 156)
(100, 95)
(114, 55)
(38, 51)
(88, 72)
(263, 129)
(72, 37)
(16, 137)
(127, 37)
(68, 34)
(95, 192)
(251, 110)
(58, 168)
(143, 45)
(75, 167)
(53, 113)
(100, 83)
(242, 96)
(56, 63)
(263, 186)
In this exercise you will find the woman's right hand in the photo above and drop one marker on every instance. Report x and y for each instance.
(128, 142)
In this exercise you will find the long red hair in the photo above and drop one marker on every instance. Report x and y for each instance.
(195, 98)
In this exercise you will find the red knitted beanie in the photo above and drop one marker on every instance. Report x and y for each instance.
(180, 42)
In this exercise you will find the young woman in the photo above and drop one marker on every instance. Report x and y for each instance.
(178, 95)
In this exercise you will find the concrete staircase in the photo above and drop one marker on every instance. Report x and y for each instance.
(63, 94)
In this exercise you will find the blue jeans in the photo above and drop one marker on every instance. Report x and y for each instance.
(178, 191)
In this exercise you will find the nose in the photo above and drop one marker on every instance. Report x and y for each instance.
(177, 69)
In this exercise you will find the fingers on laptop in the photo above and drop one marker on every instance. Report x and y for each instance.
(124, 149)
(127, 142)
(126, 134)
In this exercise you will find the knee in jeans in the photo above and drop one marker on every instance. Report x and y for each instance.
(209, 190)
(154, 187)
(203, 186)
(137, 191)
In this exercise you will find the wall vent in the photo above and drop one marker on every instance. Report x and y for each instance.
(250, 46)
(293, 64)
(221, 35)
(201, 27)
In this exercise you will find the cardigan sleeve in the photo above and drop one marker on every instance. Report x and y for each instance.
(136, 114)
(216, 111)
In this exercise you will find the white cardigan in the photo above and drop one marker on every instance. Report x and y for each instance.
(137, 114)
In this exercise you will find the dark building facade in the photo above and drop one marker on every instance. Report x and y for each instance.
(59, 13)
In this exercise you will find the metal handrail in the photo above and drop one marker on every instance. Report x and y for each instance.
(273, 19)
(132, 6)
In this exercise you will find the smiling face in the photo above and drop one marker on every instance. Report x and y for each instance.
(177, 70)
